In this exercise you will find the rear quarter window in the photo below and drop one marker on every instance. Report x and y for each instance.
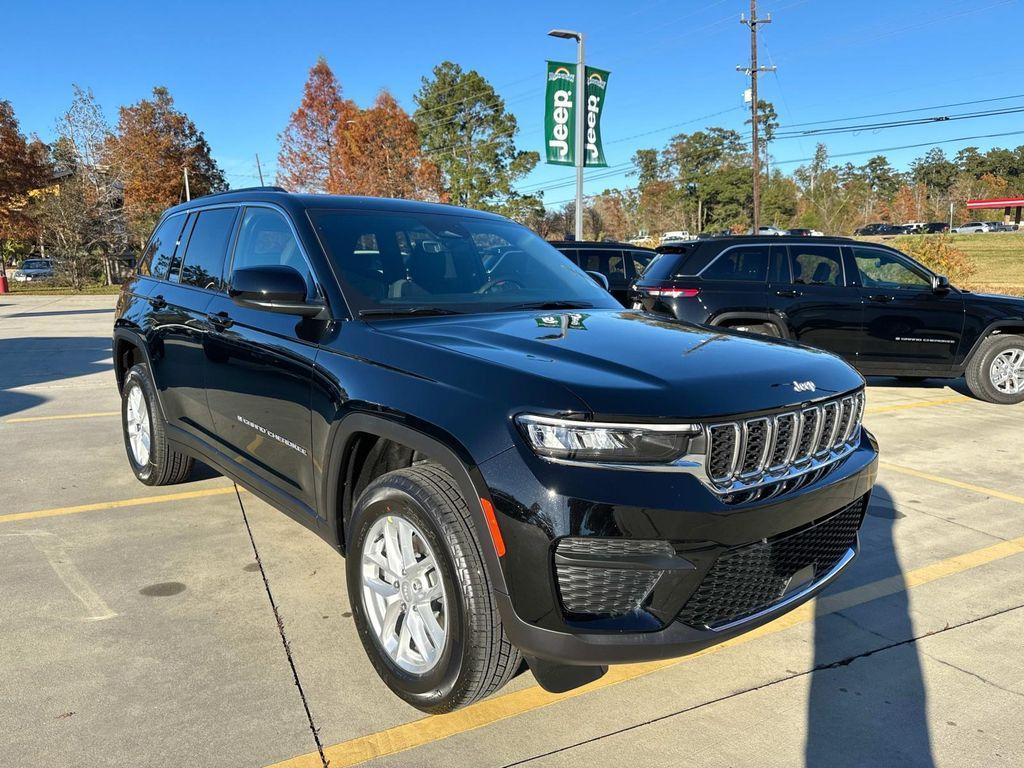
(160, 250)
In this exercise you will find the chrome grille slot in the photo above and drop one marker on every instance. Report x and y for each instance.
(723, 451)
(829, 424)
(756, 441)
(810, 421)
(785, 436)
(779, 453)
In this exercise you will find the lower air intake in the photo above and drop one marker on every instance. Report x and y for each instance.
(751, 578)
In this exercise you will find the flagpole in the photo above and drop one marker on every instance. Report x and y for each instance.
(581, 142)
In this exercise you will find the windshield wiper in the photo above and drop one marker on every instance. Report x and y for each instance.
(404, 311)
(562, 304)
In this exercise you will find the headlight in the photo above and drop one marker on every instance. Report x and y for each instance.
(610, 443)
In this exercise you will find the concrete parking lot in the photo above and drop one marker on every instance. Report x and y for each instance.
(135, 627)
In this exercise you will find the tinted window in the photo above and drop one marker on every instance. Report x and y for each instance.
(749, 262)
(609, 263)
(265, 239)
(878, 268)
(816, 264)
(204, 257)
(435, 260)
(641, 260)
(157, 256)
(778, 270)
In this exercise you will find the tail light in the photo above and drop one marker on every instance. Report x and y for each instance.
(672, 293)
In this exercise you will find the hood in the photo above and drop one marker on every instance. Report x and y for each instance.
(625, 363)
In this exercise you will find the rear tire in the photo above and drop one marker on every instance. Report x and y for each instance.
(150, 455)
(473, 658)
(995, 373)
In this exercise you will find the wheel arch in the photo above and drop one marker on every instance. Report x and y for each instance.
(723, 318)
(342, 456)
(130, 349)
(998, 328)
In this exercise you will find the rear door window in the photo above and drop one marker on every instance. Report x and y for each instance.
(203, 264)
(747, 263)
(160, 250)
(817, 264)
(609, 263)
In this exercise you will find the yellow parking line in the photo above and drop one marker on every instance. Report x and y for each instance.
(421, 732)
(917, 404)
(159, 499)
(26, 419)
(954, 483)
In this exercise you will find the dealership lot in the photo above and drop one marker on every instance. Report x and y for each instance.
(136, 629)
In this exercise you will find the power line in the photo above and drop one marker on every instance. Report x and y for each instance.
(899, 123)
(852, 154)
(907, 111)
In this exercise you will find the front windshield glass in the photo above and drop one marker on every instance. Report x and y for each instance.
(409, 262)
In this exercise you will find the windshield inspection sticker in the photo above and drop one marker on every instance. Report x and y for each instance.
(272, 435)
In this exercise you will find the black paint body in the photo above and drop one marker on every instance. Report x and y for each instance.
(916, 331)
(449, 388)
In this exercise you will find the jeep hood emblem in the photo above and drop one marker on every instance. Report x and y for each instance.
(805, 386)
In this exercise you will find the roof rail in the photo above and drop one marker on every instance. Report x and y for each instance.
(242, 189)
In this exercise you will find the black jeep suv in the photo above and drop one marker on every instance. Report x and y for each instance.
(878, 308)
(515, 465)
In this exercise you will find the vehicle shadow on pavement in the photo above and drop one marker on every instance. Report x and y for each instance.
(868, 706)
(957, 385)
(60, 312)
(26, 362)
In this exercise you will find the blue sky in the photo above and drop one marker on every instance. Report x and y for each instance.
(238, 68)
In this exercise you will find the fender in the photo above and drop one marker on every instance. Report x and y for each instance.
(136, 339)
(443, 449)
(998, 325)
(761, 317)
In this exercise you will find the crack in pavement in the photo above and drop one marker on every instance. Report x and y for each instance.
(284, 637)
(975, 675)
(838, 664)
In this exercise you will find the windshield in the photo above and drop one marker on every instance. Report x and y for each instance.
(412, 262)
(35, 264)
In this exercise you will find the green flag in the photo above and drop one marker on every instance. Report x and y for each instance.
(597, 83)
(560, 114)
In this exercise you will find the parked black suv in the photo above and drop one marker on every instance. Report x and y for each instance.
(620, 263)
(513, 463)
(873, 305)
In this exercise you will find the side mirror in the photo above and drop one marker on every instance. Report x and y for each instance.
(940, 284)
(274, 289)
(599, 279)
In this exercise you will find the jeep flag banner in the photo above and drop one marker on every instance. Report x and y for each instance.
(597, 82)
(560, 115)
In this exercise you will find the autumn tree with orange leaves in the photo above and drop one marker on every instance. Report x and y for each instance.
(379, 152)
(308, 160)
(153, 144)
(23, 167)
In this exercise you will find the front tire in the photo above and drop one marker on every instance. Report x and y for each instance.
(996, 371)
(150, 455)
(431, 629)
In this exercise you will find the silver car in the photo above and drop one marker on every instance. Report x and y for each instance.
(34, 269)
(973, 227)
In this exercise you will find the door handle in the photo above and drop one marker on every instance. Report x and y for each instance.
(157, 302)
(882, 298)
(789, 294)
(220, 319)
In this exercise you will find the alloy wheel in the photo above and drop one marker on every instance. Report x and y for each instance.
(403, 594)
(1007, 371)
(137, 417)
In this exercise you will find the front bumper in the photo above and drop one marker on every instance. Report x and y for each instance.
(547, 507)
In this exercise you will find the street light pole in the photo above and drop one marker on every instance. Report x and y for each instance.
(581, 115)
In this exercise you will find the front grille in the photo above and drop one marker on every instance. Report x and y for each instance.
(751, 578)
(751, 452)
(606, 592)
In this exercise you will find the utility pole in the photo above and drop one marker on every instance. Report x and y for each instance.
(188, 193)
(753, 71)
(259, 170)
